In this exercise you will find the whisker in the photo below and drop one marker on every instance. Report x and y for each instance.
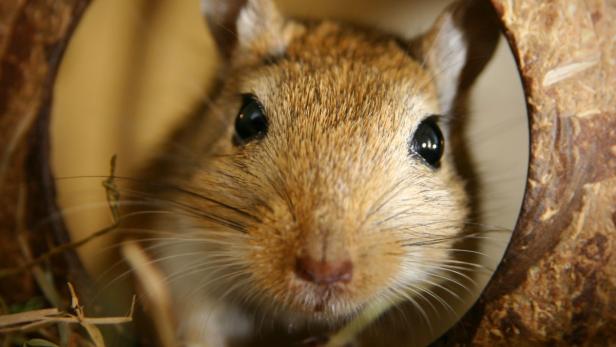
(410, 299)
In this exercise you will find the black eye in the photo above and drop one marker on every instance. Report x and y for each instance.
(250, 123)
(428, 142)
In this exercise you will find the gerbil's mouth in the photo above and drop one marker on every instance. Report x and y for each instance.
(322, 302)
(324, 299)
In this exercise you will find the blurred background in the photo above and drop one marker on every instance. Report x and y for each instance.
(135, 68)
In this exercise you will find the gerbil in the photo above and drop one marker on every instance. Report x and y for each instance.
(320, 178)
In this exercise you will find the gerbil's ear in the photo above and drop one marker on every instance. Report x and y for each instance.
(255, 25)
(458, 47)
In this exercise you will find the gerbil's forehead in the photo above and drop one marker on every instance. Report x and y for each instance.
(334, 74)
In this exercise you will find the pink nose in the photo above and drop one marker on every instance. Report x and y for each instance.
(324, 272)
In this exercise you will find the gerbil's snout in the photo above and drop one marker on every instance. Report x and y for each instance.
(324, 257)
(324, 271)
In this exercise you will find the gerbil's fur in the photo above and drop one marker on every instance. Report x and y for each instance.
(332, 179)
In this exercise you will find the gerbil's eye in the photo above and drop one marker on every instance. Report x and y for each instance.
(250, 123)
(428, 142)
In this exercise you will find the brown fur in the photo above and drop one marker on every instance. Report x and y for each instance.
(332, 179)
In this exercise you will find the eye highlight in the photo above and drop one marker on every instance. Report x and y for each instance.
(250, 123)
(428, 142)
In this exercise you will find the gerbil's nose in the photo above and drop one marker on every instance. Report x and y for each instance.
(324, 272)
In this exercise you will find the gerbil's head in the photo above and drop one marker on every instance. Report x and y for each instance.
(331, 182)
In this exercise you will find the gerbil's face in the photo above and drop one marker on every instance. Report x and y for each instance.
(333, 174)
(329, 183)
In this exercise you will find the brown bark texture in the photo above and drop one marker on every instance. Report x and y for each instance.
(33, 35)
(557, 282)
